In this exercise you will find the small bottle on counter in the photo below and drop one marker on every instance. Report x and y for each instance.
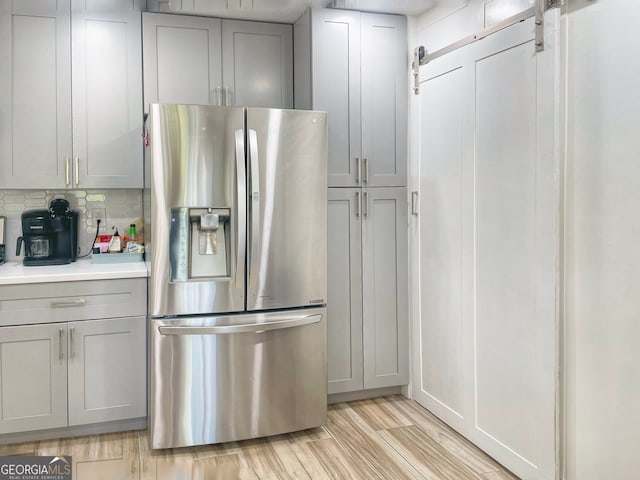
(132, 233)
(115, 245)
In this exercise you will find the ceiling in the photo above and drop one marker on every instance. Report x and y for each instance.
(288, 11)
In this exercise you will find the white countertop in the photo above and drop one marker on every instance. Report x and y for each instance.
(13, 273)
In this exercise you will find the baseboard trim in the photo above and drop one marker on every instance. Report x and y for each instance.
(363, 394)
(76, 431)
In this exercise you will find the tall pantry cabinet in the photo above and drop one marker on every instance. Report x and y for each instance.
(354, 66)
(56, 133)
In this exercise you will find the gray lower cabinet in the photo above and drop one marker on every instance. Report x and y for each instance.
(354, 66)
(107, 370)
(344, 291)
(72, 373)
(209, 61)
(367, 301)
(59, 133)
(33, 378)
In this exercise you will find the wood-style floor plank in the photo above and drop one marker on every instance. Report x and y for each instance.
(222, 467)
(499, 475)
(326, 459)
(378, 413)
(429, 458)
(26, 448)
(363, 445)
(384, 438)
(312, 434)
(456, 444)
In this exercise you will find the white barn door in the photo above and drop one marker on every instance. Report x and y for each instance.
(485, 340)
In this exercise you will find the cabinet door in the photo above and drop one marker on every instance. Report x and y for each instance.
(257, 64)
(336, 89)
(35, 94)
(107, 94)
(182, 59)
(344, 297)
(384, 100)
(33, 378)
(384, 278)
(107, 370)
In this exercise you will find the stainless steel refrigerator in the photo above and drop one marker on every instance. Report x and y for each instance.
(238, 259)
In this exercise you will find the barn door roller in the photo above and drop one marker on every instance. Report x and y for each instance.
(421, 57)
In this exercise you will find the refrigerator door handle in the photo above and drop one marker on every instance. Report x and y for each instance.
(243, 328)
(255, 206)
(242, 209)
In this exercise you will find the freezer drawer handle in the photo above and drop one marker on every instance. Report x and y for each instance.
(68, 303)
(244, 328)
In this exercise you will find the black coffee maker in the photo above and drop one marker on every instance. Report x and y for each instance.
(50, 236)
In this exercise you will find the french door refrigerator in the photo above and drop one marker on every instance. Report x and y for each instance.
(238, 259)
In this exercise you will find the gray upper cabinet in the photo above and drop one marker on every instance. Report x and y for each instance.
(336, 90)
(257, 64)
(358, 74)
(62, 134)
(107, 94)
(208, 61)
(182, 60)
(383, 90)
(35, 94)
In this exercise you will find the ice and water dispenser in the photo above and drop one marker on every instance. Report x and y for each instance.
(200, 244)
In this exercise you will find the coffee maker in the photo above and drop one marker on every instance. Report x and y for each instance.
(50, 236)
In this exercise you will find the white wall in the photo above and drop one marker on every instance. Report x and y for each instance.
(603, 240)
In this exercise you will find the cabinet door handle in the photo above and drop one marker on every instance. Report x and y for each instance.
(414, 203)
(60, 346)
(68, 303)
(358, 204)
(218, 95)
(227, 97)
(365, 201)
(77, 173)
(67, 170)
(358, 170)
(366, 170)
(71, 353)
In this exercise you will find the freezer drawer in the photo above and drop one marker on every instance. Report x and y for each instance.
(232, 377)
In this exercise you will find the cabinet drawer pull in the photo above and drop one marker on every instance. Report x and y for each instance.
(365, 203)
(67, 171)
(60, 347)
(414, 203)
(68, 303)
(366, 170)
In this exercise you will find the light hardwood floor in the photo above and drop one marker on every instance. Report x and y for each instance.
(383, 438)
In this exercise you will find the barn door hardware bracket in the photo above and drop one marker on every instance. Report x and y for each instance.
(539, 21)
(418, 56)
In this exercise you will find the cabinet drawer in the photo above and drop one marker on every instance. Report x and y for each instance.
(68, 301)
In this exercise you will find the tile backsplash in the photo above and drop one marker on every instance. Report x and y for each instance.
(117, 208)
